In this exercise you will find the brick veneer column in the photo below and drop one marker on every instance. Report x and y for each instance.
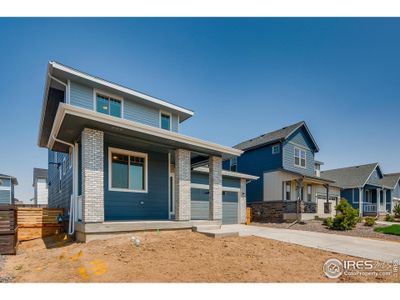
(242, 201)
(182, 185)
(215, 193)
(92, 176)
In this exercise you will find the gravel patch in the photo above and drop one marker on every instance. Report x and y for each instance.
(314, 225)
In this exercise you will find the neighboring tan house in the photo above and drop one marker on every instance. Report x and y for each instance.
(116, 154)
(40, 186)
(7, 184)
(367, 188)
(284, 161)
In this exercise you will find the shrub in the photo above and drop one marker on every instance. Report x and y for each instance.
(328, 222)
(389, 218)
(369, 221)
(346, 217)
(396, 210)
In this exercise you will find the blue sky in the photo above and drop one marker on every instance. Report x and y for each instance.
(242, 77)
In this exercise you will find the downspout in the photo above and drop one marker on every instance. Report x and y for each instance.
(73, 205)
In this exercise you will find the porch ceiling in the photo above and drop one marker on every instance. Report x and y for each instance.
(70, 121)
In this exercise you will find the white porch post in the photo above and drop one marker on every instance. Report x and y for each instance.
(182, 185)
(215, 188)
(378, 201)
(384, 200)
(360, 201)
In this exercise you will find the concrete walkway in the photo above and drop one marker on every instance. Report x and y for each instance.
(354, 246)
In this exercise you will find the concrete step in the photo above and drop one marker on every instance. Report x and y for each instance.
(199, 228)
(220, 234)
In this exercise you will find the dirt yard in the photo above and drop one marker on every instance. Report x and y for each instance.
(314, 225)
(171, 256)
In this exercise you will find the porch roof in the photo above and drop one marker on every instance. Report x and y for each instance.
(314, 179)
(70, 121)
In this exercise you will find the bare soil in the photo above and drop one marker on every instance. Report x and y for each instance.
(171, 256)
(315, 225)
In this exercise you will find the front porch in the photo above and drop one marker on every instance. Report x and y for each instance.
(94, 231)
(373, 201)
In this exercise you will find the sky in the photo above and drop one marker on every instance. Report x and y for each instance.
(242, 77)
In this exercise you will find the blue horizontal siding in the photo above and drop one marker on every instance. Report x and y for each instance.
(139, 113)
(5, 196)
(301, 140)
(375, 177)
(81, 96)
(127, 205)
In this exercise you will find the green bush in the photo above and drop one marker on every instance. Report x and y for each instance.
(346, 217)
(328, 222)
(396, 210)
(389, 218)
(369, 221)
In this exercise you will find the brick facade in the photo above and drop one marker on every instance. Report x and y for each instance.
(182, 185)
(92, 175)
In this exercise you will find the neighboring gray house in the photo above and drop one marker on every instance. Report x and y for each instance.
(116, 154)
(284, 160)
(40, 186)
(7, 184)
(366, 187)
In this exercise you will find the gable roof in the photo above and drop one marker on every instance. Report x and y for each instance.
(350, 177)
(274, 137)
(13, 179)
(390, 180)
(39, 173)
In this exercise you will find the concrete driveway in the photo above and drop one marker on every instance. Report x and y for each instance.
(355, 246)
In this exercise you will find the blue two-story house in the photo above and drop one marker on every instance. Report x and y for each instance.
(7, 184)
(367, 188)
(118, 162)
(285, 162)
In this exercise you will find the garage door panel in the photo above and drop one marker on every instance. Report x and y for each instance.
(199, 210)
(230, 208)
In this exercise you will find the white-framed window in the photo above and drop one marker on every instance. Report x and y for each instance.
(309, 192)
(299, 157)
(288, 190)
(108, 104)
(165, 120)
(233, 164)
(127, 171)
(276, 149)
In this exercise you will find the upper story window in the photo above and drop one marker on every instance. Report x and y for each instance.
(276, 149)
(108, 105)
(299, 157)
(233, 164)
(165, 121)
(128, 171)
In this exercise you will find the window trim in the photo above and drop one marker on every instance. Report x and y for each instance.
(161, 112)
(305, 158)
(129, 153)
(102, 93)
(309, 189)
(279, 149)
(288, 184)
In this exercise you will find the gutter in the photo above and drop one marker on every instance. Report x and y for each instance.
(73, 201)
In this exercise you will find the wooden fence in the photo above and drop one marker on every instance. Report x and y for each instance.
(8, 232)
(35, 222)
